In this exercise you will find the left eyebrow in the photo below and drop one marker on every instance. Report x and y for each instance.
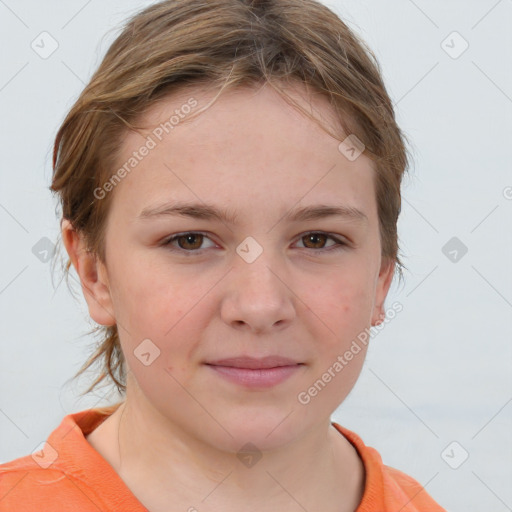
(210, 212)
(322, 211)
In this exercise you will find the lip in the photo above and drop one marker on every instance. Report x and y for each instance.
(255, 363)
(253, 372)
(255, 378)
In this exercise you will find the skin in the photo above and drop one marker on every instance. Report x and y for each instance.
(175, 438)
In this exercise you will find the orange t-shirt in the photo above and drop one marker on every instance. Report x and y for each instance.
(68, 474)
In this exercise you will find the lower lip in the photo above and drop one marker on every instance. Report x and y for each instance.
(258, 378)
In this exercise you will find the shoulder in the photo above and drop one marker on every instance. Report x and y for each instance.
(25, 486)
(386, 488)
(402, 488)
(66, 474)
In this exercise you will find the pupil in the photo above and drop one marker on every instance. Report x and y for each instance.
(315, 236)
(189, 239)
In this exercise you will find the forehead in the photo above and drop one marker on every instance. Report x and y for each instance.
(250, 143)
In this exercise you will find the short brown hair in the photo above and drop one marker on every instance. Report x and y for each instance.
(220, 43)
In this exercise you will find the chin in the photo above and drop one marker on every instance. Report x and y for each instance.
(266, 431)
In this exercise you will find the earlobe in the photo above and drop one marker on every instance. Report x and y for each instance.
(383, 284)
(92, 274)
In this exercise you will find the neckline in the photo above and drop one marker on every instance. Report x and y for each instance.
(75, 427)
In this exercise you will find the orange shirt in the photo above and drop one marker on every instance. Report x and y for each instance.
(68, 474)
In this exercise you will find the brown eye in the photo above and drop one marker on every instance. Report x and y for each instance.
(317, 240)
(189, 243)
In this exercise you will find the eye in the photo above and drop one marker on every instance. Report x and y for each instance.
(187, 242)
(190, 243)
(317, 239)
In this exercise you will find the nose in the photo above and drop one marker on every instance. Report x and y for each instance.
(258, 298)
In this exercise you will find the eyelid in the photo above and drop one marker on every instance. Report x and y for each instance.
(341, 242)
(167, 241)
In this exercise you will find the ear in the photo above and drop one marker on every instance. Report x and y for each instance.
(92, 273)
(386, 272)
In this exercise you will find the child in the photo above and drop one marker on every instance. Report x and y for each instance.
(230, 184)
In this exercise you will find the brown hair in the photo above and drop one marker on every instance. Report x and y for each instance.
(220, 43)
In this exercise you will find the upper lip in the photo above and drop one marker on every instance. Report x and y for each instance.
(254, 362)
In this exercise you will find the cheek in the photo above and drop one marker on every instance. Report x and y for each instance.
(344, 305)
(148, 294)
(170, 309)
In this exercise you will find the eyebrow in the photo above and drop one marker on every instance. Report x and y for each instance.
(210, 212)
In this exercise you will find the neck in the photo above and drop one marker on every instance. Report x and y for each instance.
(162, 463)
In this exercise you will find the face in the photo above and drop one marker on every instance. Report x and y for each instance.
(271, 275)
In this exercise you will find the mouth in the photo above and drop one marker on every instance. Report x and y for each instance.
(253, 372)
(255, 363)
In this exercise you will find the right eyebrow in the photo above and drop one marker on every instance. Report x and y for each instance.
(194, 210)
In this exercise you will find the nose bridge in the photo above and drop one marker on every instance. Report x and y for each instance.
(256, 268)
(258, 295)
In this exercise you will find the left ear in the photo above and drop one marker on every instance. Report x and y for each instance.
(386, 272)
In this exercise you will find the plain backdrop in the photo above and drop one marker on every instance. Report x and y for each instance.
(434, 397)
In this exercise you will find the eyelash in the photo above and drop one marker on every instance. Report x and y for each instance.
(340, 244)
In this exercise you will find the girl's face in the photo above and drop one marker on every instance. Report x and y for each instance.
(262, 266)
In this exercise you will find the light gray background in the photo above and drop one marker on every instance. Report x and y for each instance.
(440, 371)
